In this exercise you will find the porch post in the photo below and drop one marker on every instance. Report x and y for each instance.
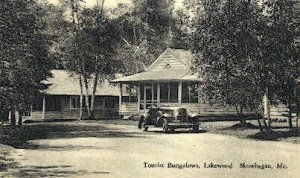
(179, 93)
(158, 94)
(31, 110)
(144, 96)
(199, 99)
(138, 97)
(120, 97)
(152, 92)
(44, 107)
(9, 116)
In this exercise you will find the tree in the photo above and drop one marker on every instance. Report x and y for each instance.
(182, 29)
(146, 31)
(89, 49)
(281, 50)
(99, 38)
(67, 47)
(24, 55)
(225, 41)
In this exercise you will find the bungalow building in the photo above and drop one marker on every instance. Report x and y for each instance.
(167, 82)
(62, 98)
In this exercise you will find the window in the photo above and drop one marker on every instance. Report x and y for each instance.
(74, 102)
(173, 93)
(155, 93)
(53, 103)
(132, 93)
(169, 92)
(189, 93)
(164, 92)
(142, 92)
(111, 102)
(99, 103)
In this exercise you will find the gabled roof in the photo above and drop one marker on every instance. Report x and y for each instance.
(184, 56)
(66, 83)
(182, 59)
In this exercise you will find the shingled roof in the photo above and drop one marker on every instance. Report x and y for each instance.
(171, 65)
(66, 83)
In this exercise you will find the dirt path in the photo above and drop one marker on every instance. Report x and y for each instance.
(131, 153)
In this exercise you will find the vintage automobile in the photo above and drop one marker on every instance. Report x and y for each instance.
(169, 119)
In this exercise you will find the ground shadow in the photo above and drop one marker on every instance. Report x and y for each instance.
(49, 171)
(241, 126)
(19, 136)
(178, 132)
(275, 135)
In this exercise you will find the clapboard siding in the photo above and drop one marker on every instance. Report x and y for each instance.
(279, 112)
(128, 108)
(36, 115)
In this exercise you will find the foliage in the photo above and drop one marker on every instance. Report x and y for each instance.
(245, 50)
(226, 41)
(281, 50)
(23, 53)
(181, 29)
(146, 33)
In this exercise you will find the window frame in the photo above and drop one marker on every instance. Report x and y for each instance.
(169, 98)
(77, 102)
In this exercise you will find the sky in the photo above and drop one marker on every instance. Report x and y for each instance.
(112, 3)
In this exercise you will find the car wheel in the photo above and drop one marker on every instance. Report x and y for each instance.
(143, 125)
(172, 130)
(195, 128)
(166, 126)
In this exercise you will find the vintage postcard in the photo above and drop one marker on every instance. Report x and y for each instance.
(149, 88)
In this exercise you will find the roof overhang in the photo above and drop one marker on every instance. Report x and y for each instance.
(159, 76)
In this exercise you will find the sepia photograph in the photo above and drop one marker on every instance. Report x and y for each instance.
(149, 88)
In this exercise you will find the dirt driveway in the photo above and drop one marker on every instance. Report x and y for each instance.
(127, 152)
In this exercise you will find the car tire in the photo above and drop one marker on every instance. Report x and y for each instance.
(143, 126)
(195, 128)
(172, 130)
(166, 126)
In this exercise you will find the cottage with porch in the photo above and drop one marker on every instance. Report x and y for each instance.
(167, 82)
(61, 99)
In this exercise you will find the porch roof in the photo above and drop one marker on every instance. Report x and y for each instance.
(159, 75)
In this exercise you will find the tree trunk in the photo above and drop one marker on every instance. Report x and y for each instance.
(297, 119)
(20, 118)
(266, 125)
(95, 83)
(13, 117)
(297, 125)
(243, 119)
(258, 120)
(239, 111)
(86, 85)
(81, 97)
(268, 110)
(290, 114)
